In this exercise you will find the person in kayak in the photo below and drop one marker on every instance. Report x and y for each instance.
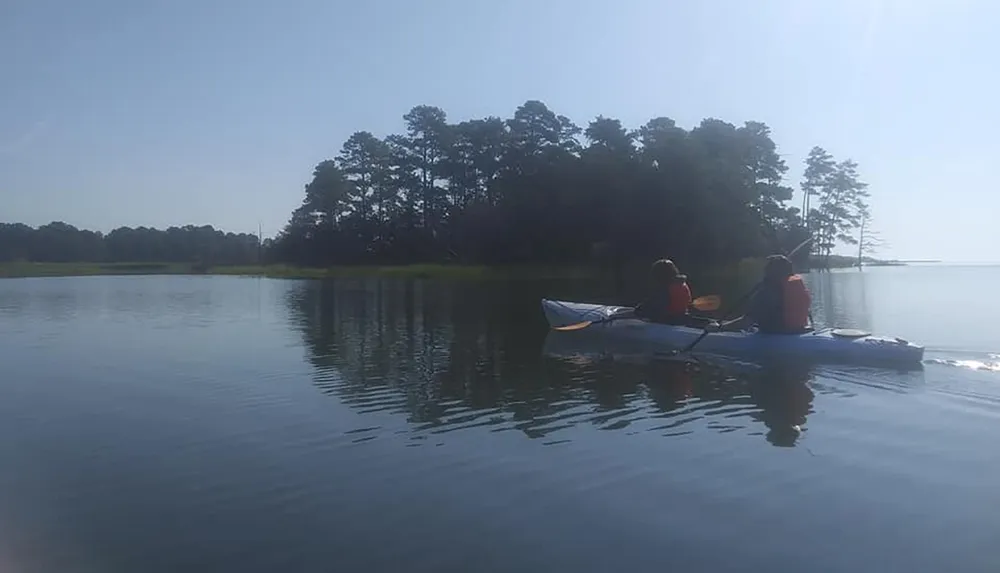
(781, 306)
(669, 298)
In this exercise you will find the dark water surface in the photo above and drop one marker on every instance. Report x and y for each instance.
(226, 424)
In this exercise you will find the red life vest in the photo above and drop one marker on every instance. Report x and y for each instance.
(679, 295)
(796, 301)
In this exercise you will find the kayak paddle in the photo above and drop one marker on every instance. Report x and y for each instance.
(740, 301)
(705, 303)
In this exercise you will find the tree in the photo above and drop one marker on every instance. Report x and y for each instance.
(58, 242)
(364, 160)
(15, 242)
(608, 136)
(819, 167)
(314, 234)
(869, 241)
(475, 161)
(767, 173)
(842, 201)
(425, 147)
(526, 190)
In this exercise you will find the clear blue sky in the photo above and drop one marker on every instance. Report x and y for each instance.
(168, 112)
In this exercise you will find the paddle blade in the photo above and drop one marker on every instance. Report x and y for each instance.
(707, 303)
(577, 326)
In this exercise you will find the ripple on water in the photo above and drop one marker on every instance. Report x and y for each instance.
(971, 361)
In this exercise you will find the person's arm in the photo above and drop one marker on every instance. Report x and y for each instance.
(642, 308)
(741, 323)
(748, 319)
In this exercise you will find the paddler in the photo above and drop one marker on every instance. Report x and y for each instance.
(669, 298)
(781, 306)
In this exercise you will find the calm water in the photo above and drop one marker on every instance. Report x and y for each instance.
(226, 424)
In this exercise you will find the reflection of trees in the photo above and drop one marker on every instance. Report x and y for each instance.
(430, 350)
(453, 356)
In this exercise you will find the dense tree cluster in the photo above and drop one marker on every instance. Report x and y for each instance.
(538, 188)
(59, 242)
(535, 188)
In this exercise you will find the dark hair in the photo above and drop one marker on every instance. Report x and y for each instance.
(665, 270)
(778, 267)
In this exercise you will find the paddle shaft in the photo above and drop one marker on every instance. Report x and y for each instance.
(742, 300)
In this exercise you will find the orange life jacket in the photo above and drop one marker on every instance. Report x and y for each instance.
(679, 295)
(796, 301)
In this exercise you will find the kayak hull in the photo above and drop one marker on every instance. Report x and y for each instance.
(820, 345)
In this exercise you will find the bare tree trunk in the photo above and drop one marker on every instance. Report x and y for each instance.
(861, 243)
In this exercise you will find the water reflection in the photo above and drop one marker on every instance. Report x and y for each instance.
(413, 347)
(840, 299)
(188, 300)
(23, 297)
(727, 396)
(784, 400)
(448, 360)
(171, 409)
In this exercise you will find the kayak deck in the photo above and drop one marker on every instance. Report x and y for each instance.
(825, 344)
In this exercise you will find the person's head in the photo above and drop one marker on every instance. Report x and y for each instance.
(664, 270)
(778, 267)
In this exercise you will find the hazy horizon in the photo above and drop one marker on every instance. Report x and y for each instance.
(184, 112)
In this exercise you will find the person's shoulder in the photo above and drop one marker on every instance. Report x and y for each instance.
(798, 283)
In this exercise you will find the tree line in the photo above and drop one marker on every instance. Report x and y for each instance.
(58, 242)
(533, 188)
(538, 188)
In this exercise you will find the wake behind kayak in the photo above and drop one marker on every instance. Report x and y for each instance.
(824, 345)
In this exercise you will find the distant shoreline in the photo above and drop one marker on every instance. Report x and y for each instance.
(846, 262)
(442, 271)
(428, 270)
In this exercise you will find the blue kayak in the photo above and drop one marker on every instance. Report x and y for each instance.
(830, 344)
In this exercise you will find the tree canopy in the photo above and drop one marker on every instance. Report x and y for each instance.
(58, 242)
(538, 188)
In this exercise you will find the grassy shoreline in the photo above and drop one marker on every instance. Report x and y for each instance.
(436, 271)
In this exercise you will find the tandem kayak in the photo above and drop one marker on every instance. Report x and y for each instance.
(829, 344)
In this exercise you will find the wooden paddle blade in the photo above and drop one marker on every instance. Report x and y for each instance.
(577, 326)
(707, 303)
